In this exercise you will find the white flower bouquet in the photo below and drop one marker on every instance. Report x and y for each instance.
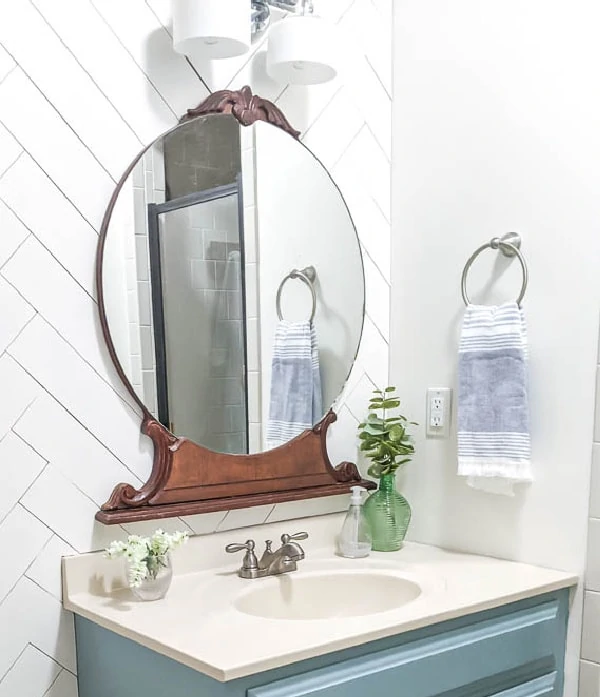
(146, 556)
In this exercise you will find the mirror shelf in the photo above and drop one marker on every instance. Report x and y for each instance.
(188, 478)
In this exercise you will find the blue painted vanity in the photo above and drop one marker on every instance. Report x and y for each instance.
(513, 651)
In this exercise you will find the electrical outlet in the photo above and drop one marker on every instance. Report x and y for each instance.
(438, 412)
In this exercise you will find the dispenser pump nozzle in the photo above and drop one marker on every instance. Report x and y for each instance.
(357, 494)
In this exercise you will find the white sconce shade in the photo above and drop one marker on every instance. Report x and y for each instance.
(212, 29)
(301, 51)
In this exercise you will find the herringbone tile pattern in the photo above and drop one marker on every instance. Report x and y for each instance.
(83, 85)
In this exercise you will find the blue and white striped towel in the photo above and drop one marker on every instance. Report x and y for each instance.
(494, 444)
(296, 398)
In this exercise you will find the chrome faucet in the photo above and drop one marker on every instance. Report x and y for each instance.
(282, 561)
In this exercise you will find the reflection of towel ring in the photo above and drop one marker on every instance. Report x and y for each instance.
(509, 245)
(307, 276)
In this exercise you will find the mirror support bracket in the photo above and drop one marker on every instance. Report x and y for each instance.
(188, 479)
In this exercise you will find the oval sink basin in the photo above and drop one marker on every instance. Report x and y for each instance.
(322, 596)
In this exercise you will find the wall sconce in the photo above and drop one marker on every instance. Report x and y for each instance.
(212, 29)
(300, 49)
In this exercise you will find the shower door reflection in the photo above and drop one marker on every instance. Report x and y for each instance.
(198, 299)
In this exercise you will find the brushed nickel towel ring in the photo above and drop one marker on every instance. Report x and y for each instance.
(510, 246)
(307, 276)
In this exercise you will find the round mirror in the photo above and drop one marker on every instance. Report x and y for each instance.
(233, 284)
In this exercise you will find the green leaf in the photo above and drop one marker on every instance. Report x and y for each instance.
(373, 440)
(374, 470)
(386, 449)
(395, 419)
(385, 441)
(396, 433)
(374, 429)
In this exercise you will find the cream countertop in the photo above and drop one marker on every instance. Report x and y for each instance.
(198, 625)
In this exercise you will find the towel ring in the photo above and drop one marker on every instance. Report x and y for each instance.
(307, 276)
(509, 245)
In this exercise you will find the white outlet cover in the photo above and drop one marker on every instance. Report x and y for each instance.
(438, 411)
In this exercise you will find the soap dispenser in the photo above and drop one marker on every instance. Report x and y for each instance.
(355, 537)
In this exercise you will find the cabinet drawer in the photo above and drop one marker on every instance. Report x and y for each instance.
(543, 686)
(519, 647)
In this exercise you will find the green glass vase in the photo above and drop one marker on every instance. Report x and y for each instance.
(388, 514)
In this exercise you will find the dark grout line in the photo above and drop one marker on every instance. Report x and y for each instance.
(58, 261)
(18, 658)
(58, 36)
(50, 178)
(154, 87)
(52, 396)
(62, 118)
(104, 379)
(14, 162)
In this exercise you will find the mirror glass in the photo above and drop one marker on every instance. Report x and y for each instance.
(233, 284)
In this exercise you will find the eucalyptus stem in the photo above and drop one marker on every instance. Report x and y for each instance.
(384, 439)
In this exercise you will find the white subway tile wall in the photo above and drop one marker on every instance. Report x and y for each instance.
(589, 673)
(83, 86)
(589, 679)
(254, 395)
(148, 187)
(595, 488)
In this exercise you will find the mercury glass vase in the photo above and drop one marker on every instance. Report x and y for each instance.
(388, 514)
(158, 581)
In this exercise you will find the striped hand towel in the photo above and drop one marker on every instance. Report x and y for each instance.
(494, 445)
(296, 398)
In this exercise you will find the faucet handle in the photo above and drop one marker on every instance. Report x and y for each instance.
(239, 546)
(297, 536)
(250, 561)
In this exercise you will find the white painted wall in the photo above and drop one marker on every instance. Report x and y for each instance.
(83, 85)
(496, 129)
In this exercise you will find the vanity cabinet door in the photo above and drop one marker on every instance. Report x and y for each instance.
(519, 654)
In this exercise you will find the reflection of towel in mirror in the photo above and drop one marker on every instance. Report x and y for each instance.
(493, 406)
(296, 399)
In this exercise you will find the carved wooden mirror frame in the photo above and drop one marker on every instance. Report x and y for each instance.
(187, 478)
